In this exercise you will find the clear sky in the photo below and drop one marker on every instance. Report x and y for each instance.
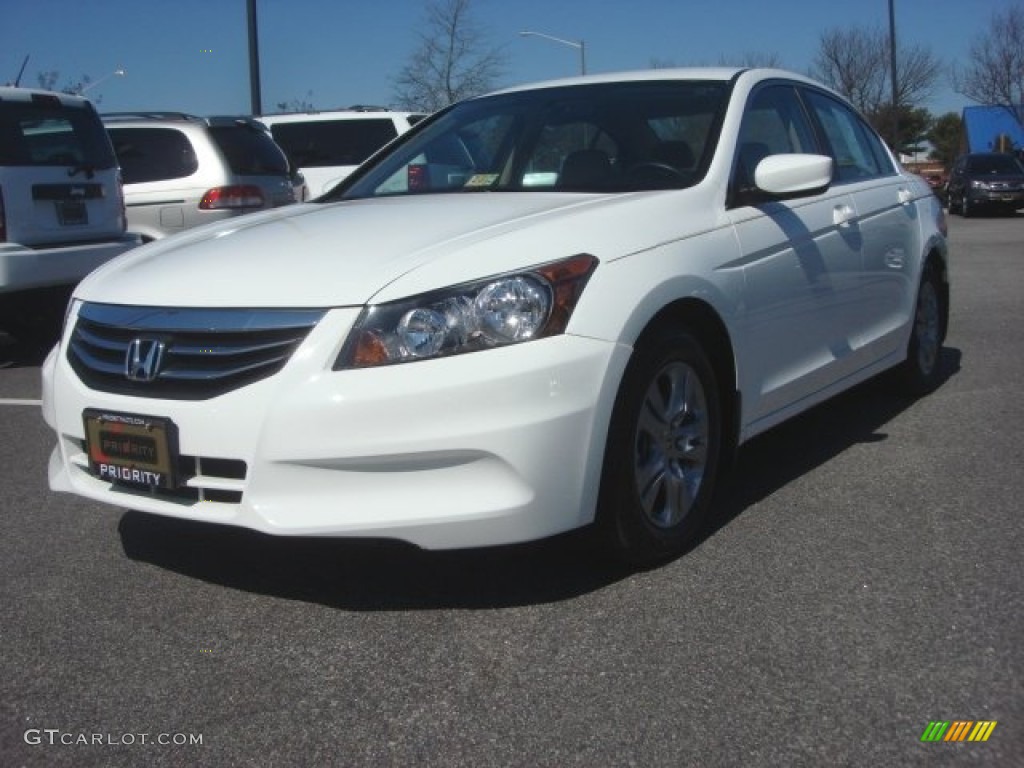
(192, 56)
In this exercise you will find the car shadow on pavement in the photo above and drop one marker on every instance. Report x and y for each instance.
(774, 459)
(374, 575)
(17, 352)
(371, 574)
(29, 333)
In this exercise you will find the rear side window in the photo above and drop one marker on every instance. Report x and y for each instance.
(51, 134)
(333, 142)
(249, 151)
(153, 154)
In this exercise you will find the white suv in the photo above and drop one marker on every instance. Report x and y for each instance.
(61, 203)
(327, 146)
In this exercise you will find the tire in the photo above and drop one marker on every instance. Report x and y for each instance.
(966, 209)
(920, 373)
(663, 452)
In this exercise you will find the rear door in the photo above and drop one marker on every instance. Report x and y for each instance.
(58, 174)
(885, 202)
(158, 166)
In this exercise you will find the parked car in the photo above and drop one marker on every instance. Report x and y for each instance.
(61, 205)
(551, 306)
(937, 182)
(985, 181)
(327, 146)
(181, 170)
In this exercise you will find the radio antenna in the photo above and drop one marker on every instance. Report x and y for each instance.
(21, 71)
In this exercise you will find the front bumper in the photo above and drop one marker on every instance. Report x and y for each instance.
(1001, 198)
(485, 448)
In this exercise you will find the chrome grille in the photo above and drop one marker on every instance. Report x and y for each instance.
(203, 352)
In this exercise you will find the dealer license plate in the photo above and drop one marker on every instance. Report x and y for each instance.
(129, 448)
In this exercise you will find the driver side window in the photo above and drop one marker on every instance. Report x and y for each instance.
(775, 123)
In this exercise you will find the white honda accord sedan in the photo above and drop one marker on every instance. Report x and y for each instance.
(556, 305)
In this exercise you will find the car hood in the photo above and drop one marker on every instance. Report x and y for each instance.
(351, 252)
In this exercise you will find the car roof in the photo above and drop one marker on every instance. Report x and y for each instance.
(357, 112)
(149, 118)
(723, 74)
(25, 95)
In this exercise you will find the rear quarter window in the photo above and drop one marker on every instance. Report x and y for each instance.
(323, 143)
(46, 134)
(249, 151)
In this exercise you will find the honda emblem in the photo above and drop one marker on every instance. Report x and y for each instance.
(143, 358)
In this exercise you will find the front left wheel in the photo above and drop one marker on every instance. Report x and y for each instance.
(663, 451)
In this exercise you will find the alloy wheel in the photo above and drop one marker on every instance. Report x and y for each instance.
(670, 448)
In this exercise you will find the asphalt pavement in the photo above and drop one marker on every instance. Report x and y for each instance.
(862, 580)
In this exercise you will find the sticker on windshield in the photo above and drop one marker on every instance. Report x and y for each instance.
(481, 180)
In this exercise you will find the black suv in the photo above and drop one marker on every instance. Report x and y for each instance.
(985, 180)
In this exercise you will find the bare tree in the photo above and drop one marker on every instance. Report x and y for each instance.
(994, 74)
(751, 59)
(746, 59)
(855, 62)
(48, 82)
(452, 63)
(298, 105)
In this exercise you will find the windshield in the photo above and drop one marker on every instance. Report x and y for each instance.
(994, 164)
(604, 137)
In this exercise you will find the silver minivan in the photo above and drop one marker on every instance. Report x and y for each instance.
(181, 171)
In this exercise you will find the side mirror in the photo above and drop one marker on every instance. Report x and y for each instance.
(785, 176)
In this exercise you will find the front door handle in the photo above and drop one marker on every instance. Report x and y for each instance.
(842, 215)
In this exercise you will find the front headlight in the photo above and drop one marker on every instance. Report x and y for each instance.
(979, 184)
(494, 312)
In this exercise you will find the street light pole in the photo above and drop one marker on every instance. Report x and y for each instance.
(117, 72)
(580, 45)
(892, 72)
(256, 103)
